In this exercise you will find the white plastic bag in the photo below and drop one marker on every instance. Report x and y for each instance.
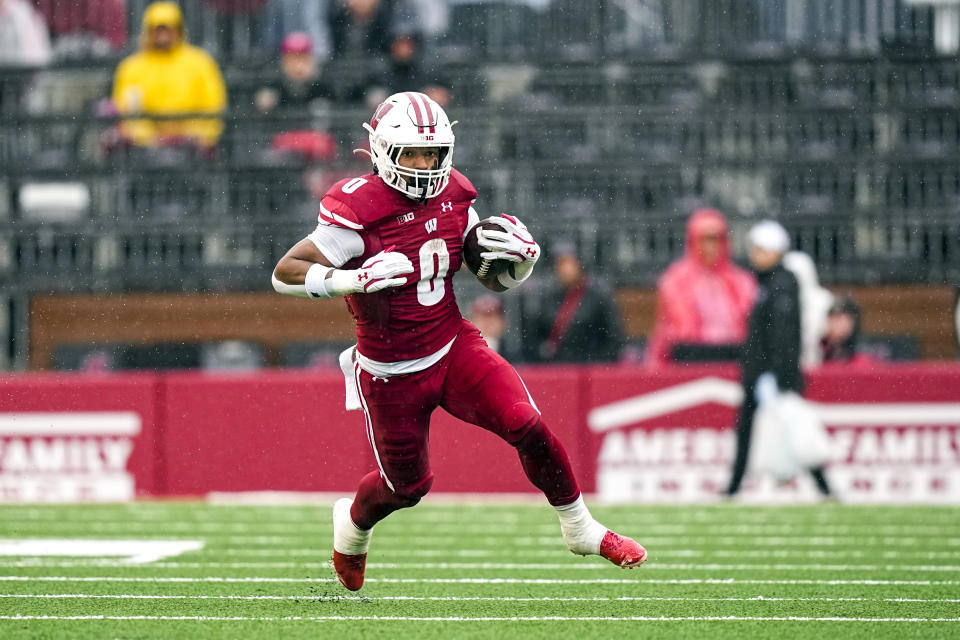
(770, 448)
(788, 437)
(806, 434)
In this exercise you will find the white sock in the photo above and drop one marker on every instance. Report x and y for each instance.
(581, 532)
(348, 538)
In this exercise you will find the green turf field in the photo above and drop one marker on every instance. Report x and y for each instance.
(452, 571)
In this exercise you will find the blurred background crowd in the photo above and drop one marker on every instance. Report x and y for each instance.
(158, 155)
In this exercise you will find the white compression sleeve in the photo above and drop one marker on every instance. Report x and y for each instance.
(317, 285)
(314, 285)
(338, 245)
(296, 290)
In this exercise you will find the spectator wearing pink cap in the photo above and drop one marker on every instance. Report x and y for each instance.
(301, 89)
(309, 16)
(301, 83)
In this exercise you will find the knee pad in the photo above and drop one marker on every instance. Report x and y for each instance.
(518, 420)
(410, 496)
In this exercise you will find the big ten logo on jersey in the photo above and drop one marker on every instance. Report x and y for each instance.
(431, 225)
(407, 217)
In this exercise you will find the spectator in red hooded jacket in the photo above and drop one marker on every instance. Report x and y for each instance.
(702, 298)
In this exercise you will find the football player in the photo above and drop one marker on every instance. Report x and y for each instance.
(390, 242)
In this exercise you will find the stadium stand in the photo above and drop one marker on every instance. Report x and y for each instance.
(846, 134)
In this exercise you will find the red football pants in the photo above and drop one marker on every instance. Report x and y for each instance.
(473, 383)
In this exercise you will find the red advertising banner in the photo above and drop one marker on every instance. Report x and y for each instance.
(632, 436)
(280, 431)
(893, 434)
(76, 438)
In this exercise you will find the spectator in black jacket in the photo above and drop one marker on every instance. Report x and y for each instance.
(578, 319)
(770, 360)
(408, 69)
(361, 28)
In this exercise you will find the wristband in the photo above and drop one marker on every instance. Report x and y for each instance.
(315, 282)
(510, 281)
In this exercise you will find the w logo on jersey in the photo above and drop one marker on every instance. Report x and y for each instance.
(446, 206)
(431, 225)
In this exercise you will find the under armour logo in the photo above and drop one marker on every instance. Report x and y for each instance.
(531, 252)
(363, 275)
(446, 206)
(431, 225)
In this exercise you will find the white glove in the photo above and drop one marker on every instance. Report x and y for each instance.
(514, 244)
(765, 390)
(379, 272)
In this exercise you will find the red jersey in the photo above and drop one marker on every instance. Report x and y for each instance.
(420, 317)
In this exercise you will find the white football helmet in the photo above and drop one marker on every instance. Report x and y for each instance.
(411, 119)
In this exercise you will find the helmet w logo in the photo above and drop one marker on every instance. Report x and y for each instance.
(381, 111)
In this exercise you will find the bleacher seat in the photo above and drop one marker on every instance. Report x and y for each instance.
(232, 355)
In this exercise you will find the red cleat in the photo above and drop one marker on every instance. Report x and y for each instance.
(346, 536)
(624, 552)
(350, 569)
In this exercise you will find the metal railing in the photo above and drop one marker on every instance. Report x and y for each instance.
(573, 29)
(795, 160)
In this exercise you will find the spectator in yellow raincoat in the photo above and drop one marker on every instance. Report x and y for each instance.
(169, 76)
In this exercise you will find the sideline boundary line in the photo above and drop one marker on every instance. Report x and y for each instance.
(486, 566)
(481, 619)
(255, 579)
(338, 597)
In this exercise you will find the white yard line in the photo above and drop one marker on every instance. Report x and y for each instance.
(488, 529)
(386, 540)
(500, 566)
(481, 619)
(638, 580)
(135, 551)
(496, 566)
(338, 597)
(498, 518)
(320, 552)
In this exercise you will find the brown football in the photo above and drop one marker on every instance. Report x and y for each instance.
(471, 253)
